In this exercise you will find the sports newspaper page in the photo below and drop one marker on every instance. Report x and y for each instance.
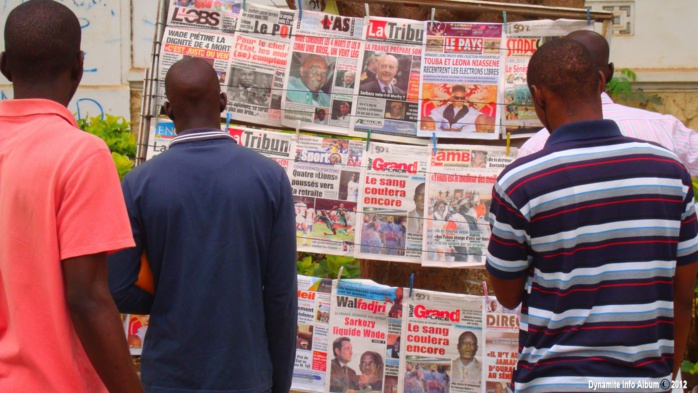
(443, 345)
(178, 43)
(360, 332)
(325, 180)
(313, 327)
(460, 73)
(218, 15)
(255, 79)
(318, 91)
(522, 41)
(388, 220)
(386, 95)
(458, 199)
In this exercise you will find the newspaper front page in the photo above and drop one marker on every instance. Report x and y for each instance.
(522, 41)
(178, 43)
(461, 71)
(318, 91)
(259, 56)
(325, 180)
(135, 327)
(160, 136)
(502, 343)
(313, 327)
(386, 95)
(279, 146)
(458, 199)
(218, 15)
(389, 219)
(360, 330)
(443, 346)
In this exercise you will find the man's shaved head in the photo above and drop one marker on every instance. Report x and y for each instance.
(598, 47)
(42, 41)
(565, 68)
(194, 95)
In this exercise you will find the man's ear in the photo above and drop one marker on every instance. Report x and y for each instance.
(4, 68)
(224, 101)
(602, 82)
(167, 107)
(78, 67)
(610, 70)
(537, 96)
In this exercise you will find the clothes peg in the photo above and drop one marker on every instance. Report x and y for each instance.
(339, 273)
(368, 139)
(588, 15)
(433, 11)
(411, 284)
(366, 8)
(508, 144)
(300, 9)
(433, 140)
(243, 4)
(298, 129)
(227, 123)
(504, 19)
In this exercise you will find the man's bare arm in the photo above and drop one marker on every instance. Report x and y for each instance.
(509, 292)
(97, 322)
(684, 286)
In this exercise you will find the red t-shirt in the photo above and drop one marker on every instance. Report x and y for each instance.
(59, 198)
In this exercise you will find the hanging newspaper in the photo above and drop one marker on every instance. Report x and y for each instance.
(443, 343)
(461, 69)
(387, 95)
(161, 133)
(325, 180)
(360, 328)
(135, 327)
(278, 146)
(458, 199)
(218, 15)
(502, 343)
(522, 40)
(321, 72)
(390, 187)
(177, 43)
(258, 69)
(313, 327)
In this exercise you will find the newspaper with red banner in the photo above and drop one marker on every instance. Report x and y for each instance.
(325, 180)
(522, 40)
(321, 72)
(313, 328)
(178, 43)
(391, 192)
(278, 146)
(460, 77)
(458, 199)
(255, 79)
(443, 343)
(365, 324)
(502, 344)
(135, 327)
(386, 95)
(218, 15)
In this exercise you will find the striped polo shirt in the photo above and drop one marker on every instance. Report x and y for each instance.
(598, 222)
(665, 130)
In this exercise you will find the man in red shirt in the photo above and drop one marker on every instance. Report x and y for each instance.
(61, 212)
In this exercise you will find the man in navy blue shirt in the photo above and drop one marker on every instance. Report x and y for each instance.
(217, 224)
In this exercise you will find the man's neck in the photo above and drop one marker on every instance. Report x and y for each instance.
(466, 362)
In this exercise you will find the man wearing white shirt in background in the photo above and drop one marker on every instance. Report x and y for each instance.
(665, 130)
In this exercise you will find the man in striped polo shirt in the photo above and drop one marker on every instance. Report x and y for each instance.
(665, 130)
(596, 236)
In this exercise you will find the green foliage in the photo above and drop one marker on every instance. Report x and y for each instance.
(327, 266)
(115, 131)
(621, 90)
(689, 368)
